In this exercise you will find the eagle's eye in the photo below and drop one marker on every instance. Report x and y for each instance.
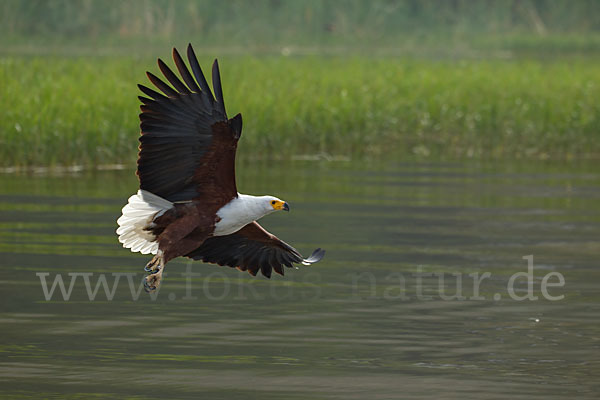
(273, 202)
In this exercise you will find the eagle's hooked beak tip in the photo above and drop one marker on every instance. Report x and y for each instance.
(286, 207)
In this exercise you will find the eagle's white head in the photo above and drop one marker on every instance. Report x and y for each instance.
(244, 209)
(275, 204)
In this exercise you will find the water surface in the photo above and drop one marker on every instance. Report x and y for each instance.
(380, 317)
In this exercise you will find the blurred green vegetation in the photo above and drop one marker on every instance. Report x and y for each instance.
(390, 26)
(356, 79)
(83, 111)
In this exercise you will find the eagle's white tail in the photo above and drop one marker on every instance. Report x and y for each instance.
(138, 214)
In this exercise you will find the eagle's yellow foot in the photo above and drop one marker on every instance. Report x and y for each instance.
(155, 264)
(155, 270)
(152, 281)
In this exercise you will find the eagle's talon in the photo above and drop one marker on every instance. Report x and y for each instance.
(149, 289)
(155, 264)
(152, 265)
(147, 286)
(152, 281)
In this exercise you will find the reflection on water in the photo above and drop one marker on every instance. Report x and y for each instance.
(391, 312)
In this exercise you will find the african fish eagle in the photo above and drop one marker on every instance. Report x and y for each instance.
(188, 204)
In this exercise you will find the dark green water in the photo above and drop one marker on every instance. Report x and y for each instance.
(362, 324)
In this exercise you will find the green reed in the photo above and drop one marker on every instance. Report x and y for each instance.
(84, 110)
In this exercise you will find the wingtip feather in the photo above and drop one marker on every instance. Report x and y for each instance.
(217, 87)
(315, 257)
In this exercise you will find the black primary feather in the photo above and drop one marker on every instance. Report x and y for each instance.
(238, 251)
(198, 73)
(216, 79)
(177, 128)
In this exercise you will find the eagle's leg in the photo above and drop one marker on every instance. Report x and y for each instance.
(152, 281)
(155, 270)
(178, 239)
(154, 265)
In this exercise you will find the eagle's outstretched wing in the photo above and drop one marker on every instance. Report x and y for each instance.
(254, 249)
(187, 144)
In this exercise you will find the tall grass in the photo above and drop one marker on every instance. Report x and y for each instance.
(84, 110)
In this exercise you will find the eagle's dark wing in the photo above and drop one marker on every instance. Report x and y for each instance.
(253, 249)
(187, 145)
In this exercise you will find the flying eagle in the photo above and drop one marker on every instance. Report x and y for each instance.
(188, 203)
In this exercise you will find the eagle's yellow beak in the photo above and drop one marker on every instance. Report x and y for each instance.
(280, 205)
